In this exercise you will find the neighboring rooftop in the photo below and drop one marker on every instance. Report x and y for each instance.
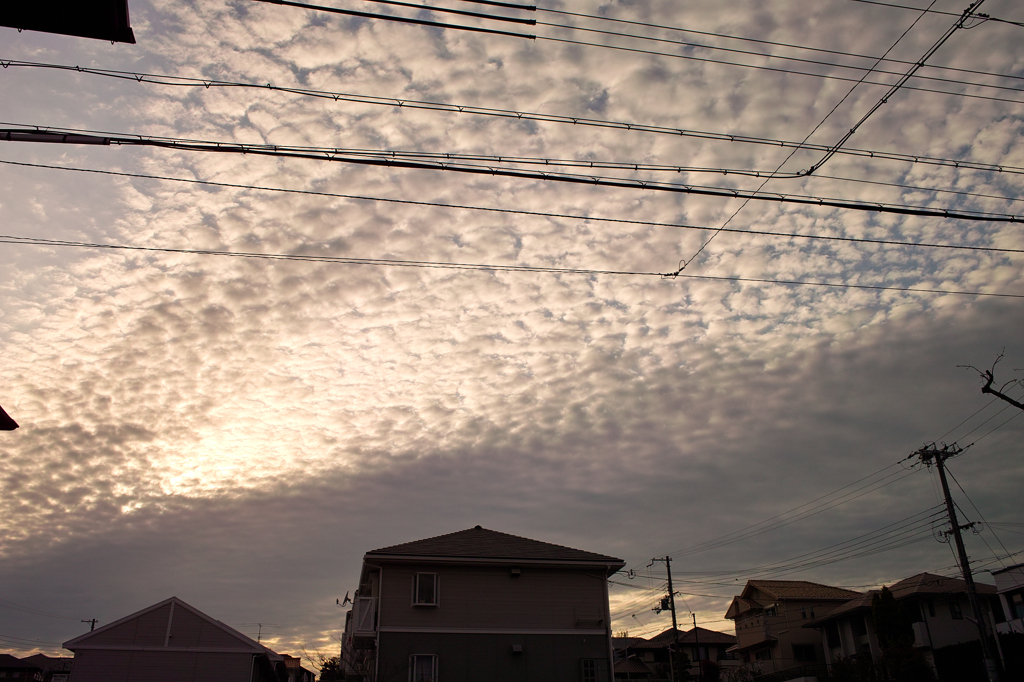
(920, 584)
(702, 637)
(481, 543)
(796, 589)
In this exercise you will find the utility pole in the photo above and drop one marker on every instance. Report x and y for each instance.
(92, 624)
(931, 454)
(696, 648)
(672, 605)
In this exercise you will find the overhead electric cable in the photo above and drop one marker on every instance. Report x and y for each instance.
(508, 5)
(773, 43)
(46, 135)
(846, 79)
(733, 536)
(392, 17)
(799, 60)
(512, 211)
(957, 25)
(443, 10)
(400, 103)
(685, 263)
(441, 265)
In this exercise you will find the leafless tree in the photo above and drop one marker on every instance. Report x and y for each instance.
(989, 375)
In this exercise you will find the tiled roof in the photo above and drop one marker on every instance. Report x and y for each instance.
(703, 637)
(920, 584)
(481, 543)
(631, 666)
(800, 589)
(929, 583)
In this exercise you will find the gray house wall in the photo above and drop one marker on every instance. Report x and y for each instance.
(160, 666)
(490, 597)
(556, 615)
(465, 657)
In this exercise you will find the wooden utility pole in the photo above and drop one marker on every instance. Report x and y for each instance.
(930, 454)
(672, 605)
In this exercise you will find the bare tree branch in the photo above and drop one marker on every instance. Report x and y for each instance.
(989, 375)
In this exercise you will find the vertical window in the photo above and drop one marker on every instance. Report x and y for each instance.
(954, 611)
(593, 670)
(424, 589)
(931, 607)
(423, 668)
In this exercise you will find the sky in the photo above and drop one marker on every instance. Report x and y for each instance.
(238, 432)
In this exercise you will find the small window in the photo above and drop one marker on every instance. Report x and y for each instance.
(423, 668)
(931, 607)
(954, 611)
(763, 655)
(812, 612)
(593, 670)
(424, 589)
(804, 653)
(858, 626)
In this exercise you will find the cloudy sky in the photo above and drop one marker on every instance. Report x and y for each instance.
(238, 431)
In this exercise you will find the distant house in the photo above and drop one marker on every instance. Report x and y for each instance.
(705, 649)
(769, 614)
(13, 668)
(480, 605)
(1010, 588)
(941, 615)
(55, 669)
(173, 641)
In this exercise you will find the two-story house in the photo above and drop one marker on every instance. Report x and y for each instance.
(480, 605)
(941, 616)
(769, 614)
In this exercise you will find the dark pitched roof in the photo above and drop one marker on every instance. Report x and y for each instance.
(920, 584)
(161, 622)
(631, 666)
(481, 543)
(8, 662)
(800, 589)
(929, 583)
(703, 637)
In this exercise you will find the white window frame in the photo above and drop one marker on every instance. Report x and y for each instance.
(416, 601)
(412, 666)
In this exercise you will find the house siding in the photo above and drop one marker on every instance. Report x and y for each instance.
(160, 666)
(476, 657)
(489, 597)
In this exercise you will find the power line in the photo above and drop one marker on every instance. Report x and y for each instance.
(49, 135)
(487, 267)
(929, 53)
(684, 264)
(523, 212)
(847, 79)
(773, 43)
(400, 103)
(443, 10)
(392, 17)
(799, 60)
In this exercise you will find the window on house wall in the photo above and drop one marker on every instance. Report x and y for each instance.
(1016, 605)
(931, 607)
(832, 633)
(954, 611)
(812, 612)
(423, 668)
(593, 670)
(804, 653)
(858, 626)
(424, 589)
(763, 655)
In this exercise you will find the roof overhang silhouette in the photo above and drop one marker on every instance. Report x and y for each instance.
(98, 19)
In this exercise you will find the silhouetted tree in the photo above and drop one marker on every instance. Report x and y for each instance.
(895, 631)
(989, 375)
